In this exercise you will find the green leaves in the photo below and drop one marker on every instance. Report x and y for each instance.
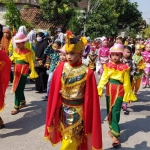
(112, 16)
(12, 16)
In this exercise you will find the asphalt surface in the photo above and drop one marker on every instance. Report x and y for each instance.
(25, 130)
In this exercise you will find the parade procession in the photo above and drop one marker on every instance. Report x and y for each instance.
(74, 75)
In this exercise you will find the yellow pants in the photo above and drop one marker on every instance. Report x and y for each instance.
(69, 143)
(136, 85)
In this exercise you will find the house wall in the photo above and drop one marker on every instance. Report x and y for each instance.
(3, 11)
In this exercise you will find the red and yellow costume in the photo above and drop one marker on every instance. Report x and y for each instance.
(73, 110)
(23, 60)
(118, 90)
(5, 66)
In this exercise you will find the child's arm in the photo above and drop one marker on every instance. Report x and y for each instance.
(128, 95)
(103, 81)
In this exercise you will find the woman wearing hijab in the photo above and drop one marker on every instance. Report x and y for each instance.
(1, 32)
(41, 81)
(6, 40)
(31, 37)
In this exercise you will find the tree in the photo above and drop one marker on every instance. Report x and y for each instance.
(102, 21)
(12, 16)
(58, 12)
(111, 16)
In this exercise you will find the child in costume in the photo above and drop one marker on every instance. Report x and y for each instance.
(92, 57)
(127, 59)
(23, 60)
(52, 58)
(138, 59)
(118, 89)
(146, 57)
(5, 67)
(103, 54)
(73, 110)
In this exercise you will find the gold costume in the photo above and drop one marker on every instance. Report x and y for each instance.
(72, 91)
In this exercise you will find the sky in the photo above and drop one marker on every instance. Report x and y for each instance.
(144, 7)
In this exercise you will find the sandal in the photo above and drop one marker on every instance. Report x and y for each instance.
(116, 142)
(14, 112)
(22, 106)
(110, 134)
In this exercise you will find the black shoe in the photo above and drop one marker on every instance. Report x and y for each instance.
(126, 112)
(2, 126)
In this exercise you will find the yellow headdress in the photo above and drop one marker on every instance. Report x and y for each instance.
(74, 44)
(139, 46)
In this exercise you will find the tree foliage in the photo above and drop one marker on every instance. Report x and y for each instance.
(12, 16)
(58, 12)
(111, 16)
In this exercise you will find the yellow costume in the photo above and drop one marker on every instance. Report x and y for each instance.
(119, 74)
(27, 46)
(138, 77)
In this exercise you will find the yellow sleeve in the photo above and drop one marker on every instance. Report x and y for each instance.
(103, 81)
(33, 73)
(10, 47)
(129, 95)
(29, 46)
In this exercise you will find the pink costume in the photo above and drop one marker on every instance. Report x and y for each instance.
(145, 78)
(103, 57)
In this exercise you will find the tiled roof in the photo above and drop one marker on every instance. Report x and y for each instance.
(83, 4)
(34, 16)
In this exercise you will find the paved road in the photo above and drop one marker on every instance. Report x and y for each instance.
(24, 131)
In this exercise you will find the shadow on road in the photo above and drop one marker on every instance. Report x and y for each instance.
(142, 146)
(34, 118)
(132, 127)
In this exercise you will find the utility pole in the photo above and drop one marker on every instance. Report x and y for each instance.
(149, 22)
(89, 6)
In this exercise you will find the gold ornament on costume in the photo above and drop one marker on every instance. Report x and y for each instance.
(74, 44)
(139, 47)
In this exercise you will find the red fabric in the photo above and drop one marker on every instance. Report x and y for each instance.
(19, 70)
(91, 108)
(119, 67)
(5, 67)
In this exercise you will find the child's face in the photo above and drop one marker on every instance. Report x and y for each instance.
(126, 53)
(55, 46)
(93, 52)
(138, 51)
(20, 45)
(115, 57)
(105, 43)
(148, 47)
(62, 57)
(73, 57)
(118, 41)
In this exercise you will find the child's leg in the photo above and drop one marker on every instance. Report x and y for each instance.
(124, 106)
(69, 143)
(137, 85)
(116, 118)
(49, 82)
(144, 80)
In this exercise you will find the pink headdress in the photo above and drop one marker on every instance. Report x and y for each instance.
(117, 48)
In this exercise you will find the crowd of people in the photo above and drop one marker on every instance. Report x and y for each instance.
(65, 67)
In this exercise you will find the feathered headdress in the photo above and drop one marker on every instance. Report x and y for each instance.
(74, 44)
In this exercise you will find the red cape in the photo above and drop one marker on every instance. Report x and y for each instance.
(91, 111)
(5, 67)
